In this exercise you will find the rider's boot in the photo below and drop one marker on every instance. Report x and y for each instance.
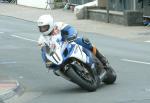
(100, 57)
(103, 61)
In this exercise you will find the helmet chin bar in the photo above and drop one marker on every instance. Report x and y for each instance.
(45, 33)
(46, 30)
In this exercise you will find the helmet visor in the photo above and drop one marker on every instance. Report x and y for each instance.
(44, 28)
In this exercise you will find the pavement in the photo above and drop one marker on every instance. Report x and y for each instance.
(136, 33)
(8, 87)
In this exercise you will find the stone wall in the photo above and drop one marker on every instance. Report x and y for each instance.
(128, 18)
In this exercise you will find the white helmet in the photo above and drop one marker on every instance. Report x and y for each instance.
(45, 24)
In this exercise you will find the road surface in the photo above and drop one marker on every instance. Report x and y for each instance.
(20, 59)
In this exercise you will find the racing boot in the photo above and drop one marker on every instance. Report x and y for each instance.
(100, 57)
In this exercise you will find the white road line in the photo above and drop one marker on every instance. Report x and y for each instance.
(147, 90)
(147, 41)
(1, 32)
(20, 37)
(13, 62)
(20, 77)
(134, 61)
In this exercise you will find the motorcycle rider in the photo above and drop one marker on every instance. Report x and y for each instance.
(61, 31)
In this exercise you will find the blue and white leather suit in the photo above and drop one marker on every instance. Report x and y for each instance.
(66, 32)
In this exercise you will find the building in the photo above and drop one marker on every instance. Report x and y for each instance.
(124, 12)
(146, 7)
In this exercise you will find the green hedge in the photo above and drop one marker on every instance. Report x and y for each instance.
(57, 0)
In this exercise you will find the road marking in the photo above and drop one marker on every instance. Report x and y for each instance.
(147, 41)
(1, 32)
(13, 62)
(147, 89)
(20, 77)
(134, 61)
(20, 37)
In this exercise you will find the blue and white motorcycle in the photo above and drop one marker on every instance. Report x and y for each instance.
(77, 64)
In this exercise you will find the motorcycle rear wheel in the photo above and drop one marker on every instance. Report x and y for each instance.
(110, 76)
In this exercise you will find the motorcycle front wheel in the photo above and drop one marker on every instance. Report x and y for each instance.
(88, 82)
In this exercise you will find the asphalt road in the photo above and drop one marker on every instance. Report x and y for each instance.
(20, 59)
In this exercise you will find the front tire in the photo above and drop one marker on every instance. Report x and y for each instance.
(76, 78)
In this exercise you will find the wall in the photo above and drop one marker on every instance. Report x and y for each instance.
(121, 5)
(128, 18)
(146, 8)
(33, 3)
(101, 15)
(103, 3)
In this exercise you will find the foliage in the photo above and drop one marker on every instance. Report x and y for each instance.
(57, 0)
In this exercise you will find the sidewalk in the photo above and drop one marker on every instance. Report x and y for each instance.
(32, 14)
(8, 88)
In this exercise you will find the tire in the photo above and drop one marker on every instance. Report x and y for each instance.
(9, 1)
(110, 76)
(75, 78)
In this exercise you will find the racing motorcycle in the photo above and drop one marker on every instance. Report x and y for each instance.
(78, 65)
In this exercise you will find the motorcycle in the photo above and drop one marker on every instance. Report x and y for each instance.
(78, 65)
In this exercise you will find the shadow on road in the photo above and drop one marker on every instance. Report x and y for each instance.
(72, 90)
